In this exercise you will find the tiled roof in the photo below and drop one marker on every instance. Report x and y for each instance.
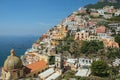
(40, 65)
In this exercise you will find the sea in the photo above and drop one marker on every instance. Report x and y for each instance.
(19, 43)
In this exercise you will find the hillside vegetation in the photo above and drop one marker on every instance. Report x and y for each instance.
(102, 4)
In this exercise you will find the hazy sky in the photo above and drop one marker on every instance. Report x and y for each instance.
(34, 17)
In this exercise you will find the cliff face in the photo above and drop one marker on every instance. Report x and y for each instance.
(111, 1)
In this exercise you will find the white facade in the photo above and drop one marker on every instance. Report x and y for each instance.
(83, 72)
(101, 35)
(107, 16)
(84, 62)
(115, 26)
(116, 62)
(117, 13)
(46, 73)
(101, 12)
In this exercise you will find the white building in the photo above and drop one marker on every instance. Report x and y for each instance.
(116, 62)
(84, 62)
(102, 35)
(46, 73)
(117, 13)
(83, 72)
(107, 16)
(101, 11)
(115, 26)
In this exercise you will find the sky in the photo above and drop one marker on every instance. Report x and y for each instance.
(35, 17)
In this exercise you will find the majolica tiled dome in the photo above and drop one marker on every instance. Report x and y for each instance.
(12, 62)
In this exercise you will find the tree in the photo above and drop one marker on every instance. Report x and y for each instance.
(113, 53)
(69, 74)
(100, 68)
(51, 60)
(117, 38)
(102, 4)
(91, 47)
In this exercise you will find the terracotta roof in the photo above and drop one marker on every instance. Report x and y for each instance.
(40, 65)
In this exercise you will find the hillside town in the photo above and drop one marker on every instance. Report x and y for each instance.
(45, 61)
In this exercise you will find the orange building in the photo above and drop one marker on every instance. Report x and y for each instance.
(35, 68)
(59, 33)
(110, 44)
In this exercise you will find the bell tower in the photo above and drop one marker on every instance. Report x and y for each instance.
(58, 63)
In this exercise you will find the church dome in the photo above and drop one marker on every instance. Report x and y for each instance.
(12, 62)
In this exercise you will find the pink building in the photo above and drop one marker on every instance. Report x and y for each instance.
(101, 29)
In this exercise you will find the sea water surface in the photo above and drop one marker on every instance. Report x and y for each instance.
(19, 43)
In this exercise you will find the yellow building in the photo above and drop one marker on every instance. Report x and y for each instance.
(82, 35)
(59, 33)
(95, 14)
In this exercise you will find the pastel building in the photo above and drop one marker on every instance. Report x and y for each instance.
(110, 44)
(102, 35)
(93, 37)
(37, 56)
(116, 62)
(101, 11)
(82, 35)
(107, 16)
(52, 72)
(109, 9)
(95, 14)
(115, 26)
(71, 63)
(84, 62)
(59, 33)
(101, 29)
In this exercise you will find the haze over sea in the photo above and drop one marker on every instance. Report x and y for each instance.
(30, 17)
(19, 43)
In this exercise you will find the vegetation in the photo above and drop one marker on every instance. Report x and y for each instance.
(91, 47)
(103, 23)
(80, 14)
(115, 19)
(67, 75)
(51, 60)
(96, 17)
(117, 38)
(69, 47)
(71, 74)
(102, 4)
(100, 68)
(118, 77)
(113, 53)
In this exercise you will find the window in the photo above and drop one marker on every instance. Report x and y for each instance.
(83, 61)
(57, 64)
